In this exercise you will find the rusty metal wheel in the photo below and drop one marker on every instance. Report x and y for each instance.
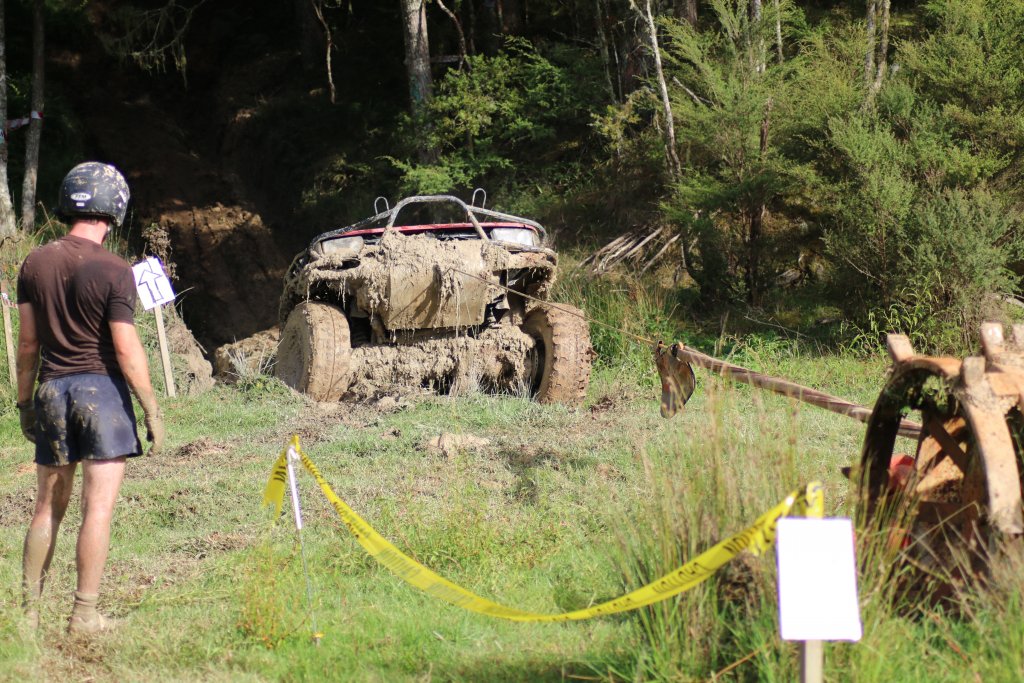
(313, 355)
(560, 361)
(946, 508)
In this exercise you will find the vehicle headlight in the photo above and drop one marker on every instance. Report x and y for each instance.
(523, 236)
(343, 246)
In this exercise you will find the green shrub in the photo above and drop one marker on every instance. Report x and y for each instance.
(499, 119)
(964, 241)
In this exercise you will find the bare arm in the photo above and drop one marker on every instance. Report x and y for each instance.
(28, 352)
(131, 358)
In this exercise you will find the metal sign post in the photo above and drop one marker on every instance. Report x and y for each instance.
(154, 289)
(292, 458)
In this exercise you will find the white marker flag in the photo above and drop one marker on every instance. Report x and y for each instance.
(817, 580)
(152, 282)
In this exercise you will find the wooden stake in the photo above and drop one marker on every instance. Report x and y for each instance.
(165, 356)
(812, 661)
(8, 335)
(812, 652)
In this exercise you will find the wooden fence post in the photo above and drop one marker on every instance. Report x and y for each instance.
(8, 333)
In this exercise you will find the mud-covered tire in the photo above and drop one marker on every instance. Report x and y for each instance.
(315, 349)
(563, 352)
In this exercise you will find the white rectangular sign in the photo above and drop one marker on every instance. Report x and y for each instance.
(817, 580)
(152, 282)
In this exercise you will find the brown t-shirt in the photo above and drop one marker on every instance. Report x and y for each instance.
(76, 288)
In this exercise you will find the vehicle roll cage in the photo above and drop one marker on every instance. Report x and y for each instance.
(389, 216)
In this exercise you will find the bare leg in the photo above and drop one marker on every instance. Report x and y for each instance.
(101, 481)
(54, 486)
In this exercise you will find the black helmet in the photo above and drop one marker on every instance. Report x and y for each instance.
(94, 189)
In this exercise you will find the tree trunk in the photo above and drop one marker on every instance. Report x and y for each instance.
(674, 167)
(686, 10)
(511, 13)
(318, 10)
(778, 31)
(488, 27)
(35, 125)
(869, 55)
(470, 10)
(311, 44)
(618, 58)
(756, 14)
(417, 53)
(756, 231)
(602, 42)
(7, 223)
(883, 48)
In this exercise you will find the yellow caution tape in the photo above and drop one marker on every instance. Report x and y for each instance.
(814, 499)
(757, 538)
(273, 493)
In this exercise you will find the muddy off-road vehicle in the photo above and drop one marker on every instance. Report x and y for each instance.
(448, 306)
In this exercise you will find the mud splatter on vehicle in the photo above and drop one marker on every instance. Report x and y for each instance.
(445, 305)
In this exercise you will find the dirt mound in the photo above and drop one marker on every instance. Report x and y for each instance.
(198, 450)
(192, 372)
(449, 444)
(186, 198)
(228, 266)
(250, 356)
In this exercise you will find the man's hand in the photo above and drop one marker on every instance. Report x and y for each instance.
(154, 422)
(155, 431)
(27, 412)
(131, 358)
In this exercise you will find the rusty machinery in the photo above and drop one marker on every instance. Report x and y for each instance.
(961, 488)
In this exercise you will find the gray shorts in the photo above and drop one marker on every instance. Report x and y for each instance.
(86, 417)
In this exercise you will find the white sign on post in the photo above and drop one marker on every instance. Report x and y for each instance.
(817, 580)
(155, 290)
(152, 283)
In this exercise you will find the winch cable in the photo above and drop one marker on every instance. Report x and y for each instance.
(737, 373)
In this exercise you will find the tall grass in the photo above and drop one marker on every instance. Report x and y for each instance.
(560, 509)
(626, 314)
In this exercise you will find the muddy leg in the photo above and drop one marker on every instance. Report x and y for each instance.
(100, 486)
(54, 491)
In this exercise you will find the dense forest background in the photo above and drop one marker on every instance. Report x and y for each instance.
(859, 159)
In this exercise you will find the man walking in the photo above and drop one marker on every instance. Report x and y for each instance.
(76, 303)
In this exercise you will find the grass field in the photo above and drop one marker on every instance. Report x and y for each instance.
(537, 507)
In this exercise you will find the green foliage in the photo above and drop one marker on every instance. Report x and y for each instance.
(733, 104)
(969, 66)
(964, 241)
(489, 121)
(914, 189)
(562, 509)
(153, 36)
(871, 210)
(920, 188)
